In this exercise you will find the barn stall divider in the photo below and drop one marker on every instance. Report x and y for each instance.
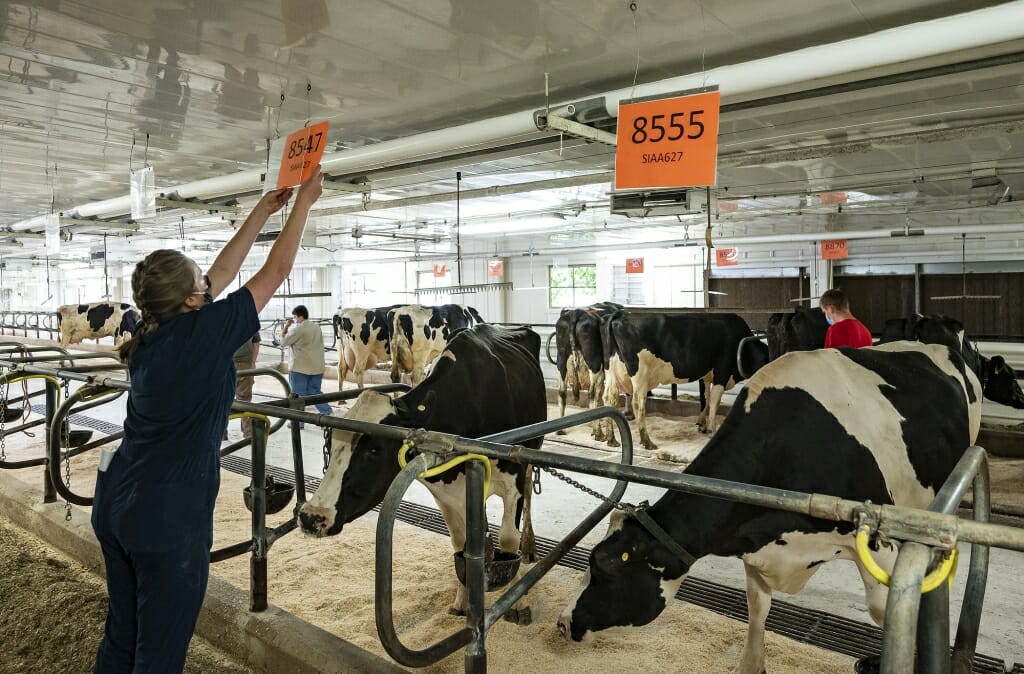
(911, 617)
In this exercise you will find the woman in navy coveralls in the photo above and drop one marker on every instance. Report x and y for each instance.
(153, 508)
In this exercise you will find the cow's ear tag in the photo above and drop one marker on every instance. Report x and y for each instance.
(625, 556)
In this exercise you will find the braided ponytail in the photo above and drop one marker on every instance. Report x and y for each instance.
(160, 284)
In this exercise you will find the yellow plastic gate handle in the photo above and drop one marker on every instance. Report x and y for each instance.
(50, 378)
(448, 465)
(945, 571)
(253, 415)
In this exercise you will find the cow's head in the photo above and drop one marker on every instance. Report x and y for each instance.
(630, 581)
(1001, 384)
(360, 471)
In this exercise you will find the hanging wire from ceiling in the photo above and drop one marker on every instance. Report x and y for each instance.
(636, 40)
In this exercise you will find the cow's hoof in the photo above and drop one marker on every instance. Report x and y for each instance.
(649, 445)
(521, 617)
(869, 665)
(612, 442)
(561, 431)
(598, 436)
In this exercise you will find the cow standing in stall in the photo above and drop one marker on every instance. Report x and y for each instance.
(642, 351)
(364, 336)
(487, 380)
(999, 381)
(419, 334)
(76, 322)
(580, 356)
(885, 424)
(802, 330)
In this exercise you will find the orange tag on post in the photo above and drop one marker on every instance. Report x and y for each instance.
(302, 152)
(835, 249)
(670, 142)
(495, 267)
(726, 257)
(634, 265)
(439, 270)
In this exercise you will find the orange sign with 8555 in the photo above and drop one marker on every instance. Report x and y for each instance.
(668, 142)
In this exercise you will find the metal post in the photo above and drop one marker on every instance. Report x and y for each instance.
(49, 491)
(902, 607)
(476, 524)
(974, 594)
(933, 632)
(258, 561)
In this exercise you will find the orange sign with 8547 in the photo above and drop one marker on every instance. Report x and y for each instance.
(668, 142)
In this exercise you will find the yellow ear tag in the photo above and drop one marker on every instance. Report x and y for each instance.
(625, 556)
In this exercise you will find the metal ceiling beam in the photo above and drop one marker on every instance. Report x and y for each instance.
(938, 135)
(483, 192)
(197, 206)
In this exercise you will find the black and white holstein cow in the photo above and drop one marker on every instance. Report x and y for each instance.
(487, 380)
(643, 351)
(580, 357)
(802, 330)
(886, 423)
(98, 319)
(998, 379)
(419, 334)
(365, 339)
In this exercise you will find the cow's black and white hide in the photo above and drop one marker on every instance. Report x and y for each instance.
(885, 424)
(487, 380)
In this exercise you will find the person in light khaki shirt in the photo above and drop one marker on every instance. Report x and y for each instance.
(306, 372)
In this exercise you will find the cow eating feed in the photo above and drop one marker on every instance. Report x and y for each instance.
(887, 424)
(487, 380)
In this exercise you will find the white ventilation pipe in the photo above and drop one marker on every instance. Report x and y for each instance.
(969, 30)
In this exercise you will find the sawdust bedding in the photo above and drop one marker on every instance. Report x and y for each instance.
(54, 610)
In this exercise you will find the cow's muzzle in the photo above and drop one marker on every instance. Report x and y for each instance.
(312, 522)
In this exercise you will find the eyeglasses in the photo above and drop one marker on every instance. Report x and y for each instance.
(207, 295)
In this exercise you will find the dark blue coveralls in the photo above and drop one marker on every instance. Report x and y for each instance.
(153, 508)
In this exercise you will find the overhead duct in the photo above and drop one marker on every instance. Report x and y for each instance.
(808, 66)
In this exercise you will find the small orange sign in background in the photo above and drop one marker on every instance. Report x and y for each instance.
(302, 152)
(726, 257)
(634, 265)
(495, 267)
(833, 198)
(440, 270)
(670, 142)
(835, 249)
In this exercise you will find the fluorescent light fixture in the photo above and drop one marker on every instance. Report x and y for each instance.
(512, 227)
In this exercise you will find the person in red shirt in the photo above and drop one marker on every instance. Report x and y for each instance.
(844, 329)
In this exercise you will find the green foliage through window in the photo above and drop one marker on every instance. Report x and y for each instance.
(573, 286)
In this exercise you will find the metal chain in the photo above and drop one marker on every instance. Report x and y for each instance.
(327, 448)
(66, 431)
(3, 422)
(582, 487)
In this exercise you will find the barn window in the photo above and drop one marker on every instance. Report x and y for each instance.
(572, 286)
(627, 289)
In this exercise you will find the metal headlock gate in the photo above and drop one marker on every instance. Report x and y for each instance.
(911, 618)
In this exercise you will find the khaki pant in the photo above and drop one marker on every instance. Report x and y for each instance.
(243, 391)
